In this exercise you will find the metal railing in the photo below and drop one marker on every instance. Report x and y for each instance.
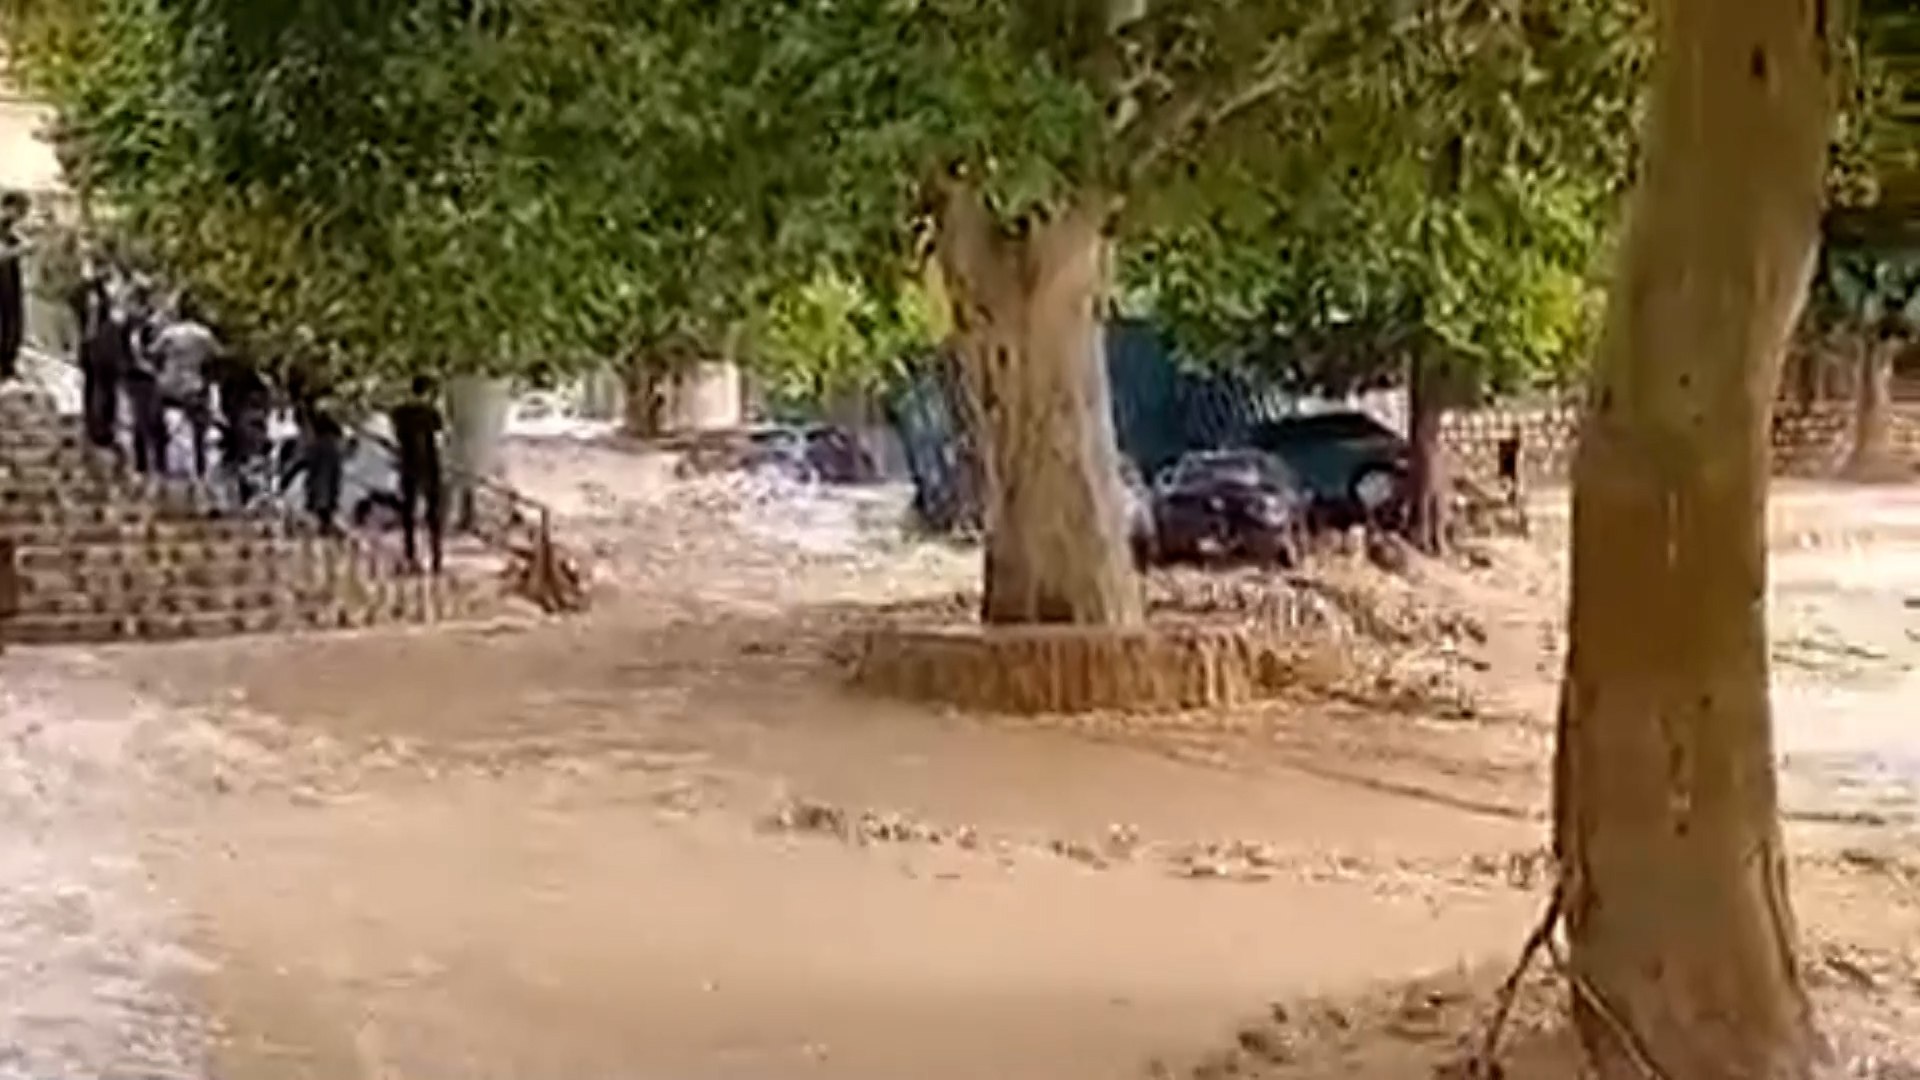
(519, 508)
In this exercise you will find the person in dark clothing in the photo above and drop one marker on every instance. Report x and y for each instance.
(84, 302)
(106, 353)
(245, 402)
(140, 380)
(320, 457)
(290, 457)
(416, 431)
(326, 458)
(13, 296)
(99, 358)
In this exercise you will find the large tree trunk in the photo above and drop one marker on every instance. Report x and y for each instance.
(1872, 456)
(1683, 949)
(1429, 489)
(477, 410)
(1026, 310)
(1807, 360)
(643, 405)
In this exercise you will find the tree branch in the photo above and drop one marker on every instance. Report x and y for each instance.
(1158, 131)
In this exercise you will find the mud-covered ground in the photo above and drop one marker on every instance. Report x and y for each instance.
(664, 841)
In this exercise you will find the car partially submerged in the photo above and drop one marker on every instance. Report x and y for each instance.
(801, 454)
(1215, 504)
(1355, 467)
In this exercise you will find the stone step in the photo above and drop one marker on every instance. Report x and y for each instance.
(135, 553)
(20, 406)
(205, 601)
(125, 504)
(130, 513)
(332, 570)
(87, 481)
(104, 555)
(15, 441)
(385, 595)
(40, 629)
(61, 453)
(164, 533)
(35, 430)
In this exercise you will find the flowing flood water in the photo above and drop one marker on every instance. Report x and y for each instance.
(86, 952)
(1847, 630)
(757, 955)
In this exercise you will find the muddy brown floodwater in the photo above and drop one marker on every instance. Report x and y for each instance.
(663, 841)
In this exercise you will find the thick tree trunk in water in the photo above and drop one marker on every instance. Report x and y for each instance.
(1428, 485)
(1026, 311)
(643, 399)
(1807, 379)
(1682, 939)
(1872, 456)
(477, 411)
(1836, 382)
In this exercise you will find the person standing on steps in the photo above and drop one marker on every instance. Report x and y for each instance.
(185, 348)
(140, 380)
(141, 383)
(106, 353)
(83, 301)
(245, 402)
(13, 294)
(321, 453)
(416, 432)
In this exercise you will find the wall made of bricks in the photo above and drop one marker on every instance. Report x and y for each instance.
(1808, 441)
(1547, 434)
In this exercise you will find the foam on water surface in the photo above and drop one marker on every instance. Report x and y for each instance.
(87, 955)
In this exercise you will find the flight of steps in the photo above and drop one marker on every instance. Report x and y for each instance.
(104, 555)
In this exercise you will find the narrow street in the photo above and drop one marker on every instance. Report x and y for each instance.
(664, 842)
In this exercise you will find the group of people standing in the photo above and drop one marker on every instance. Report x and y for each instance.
(155, 361)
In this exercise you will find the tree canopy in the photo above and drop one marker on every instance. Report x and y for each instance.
(1461, 208)
(1871, 251)
(447, 186)
(491, 185)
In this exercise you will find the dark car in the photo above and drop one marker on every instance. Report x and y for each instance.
(1229, 504)
(778, 452)
(820, 453)
(1354, 466)
(838, 456)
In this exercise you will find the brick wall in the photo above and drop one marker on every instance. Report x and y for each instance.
(1547, 432)
(1810, 441)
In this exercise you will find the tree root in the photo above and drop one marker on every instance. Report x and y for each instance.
(1484, 1063)
(1623, 1034)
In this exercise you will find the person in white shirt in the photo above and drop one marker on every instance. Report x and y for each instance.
(183, 350)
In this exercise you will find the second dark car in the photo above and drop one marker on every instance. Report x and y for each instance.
(1229, 504)
(1354, 466)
